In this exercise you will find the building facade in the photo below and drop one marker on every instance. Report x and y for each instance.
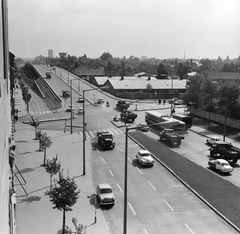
(50, 53)
(7, 195)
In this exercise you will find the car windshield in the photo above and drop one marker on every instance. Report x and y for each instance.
(146, 154)
(106, 190)
(225, 164)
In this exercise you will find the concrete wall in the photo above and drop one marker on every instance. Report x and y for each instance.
(6, 223)
(234, 123)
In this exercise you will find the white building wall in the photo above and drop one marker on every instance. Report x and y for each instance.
(5, 120)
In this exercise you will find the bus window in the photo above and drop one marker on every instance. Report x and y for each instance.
(184, 118)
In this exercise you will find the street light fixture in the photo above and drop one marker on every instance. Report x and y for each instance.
(84, 135)
(71, 102)
(128, 128)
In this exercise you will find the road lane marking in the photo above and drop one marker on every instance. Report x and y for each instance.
(120, 188)
(139, 170)
(91, 133)
(189, 228)
(130, 159)
(111, 173)
(109, 130)
(152, 185)
(103, 160)
(131, 208)
(114, 130)
(168, 205)
(145, 230)
(120, 149)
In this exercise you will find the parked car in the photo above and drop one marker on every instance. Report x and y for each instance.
(145, 158)
(221, 165)
(178, 102)
(105, 194)
(80, 100)
(70, 108)
(143, 127)
(100, 101)
(213, 139)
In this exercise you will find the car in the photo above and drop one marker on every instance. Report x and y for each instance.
(70, 108)
(145, 158)
(221, 165)
(100, 101)
(213, 139)
(80, 100)
(178, 102)
(143, 127)
(105, 194)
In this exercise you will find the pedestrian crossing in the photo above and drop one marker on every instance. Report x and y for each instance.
(93, 133)
(40, 112)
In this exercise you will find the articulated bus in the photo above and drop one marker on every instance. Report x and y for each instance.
(154, 117)
(184, 118)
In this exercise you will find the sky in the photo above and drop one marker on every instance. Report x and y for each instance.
(152, 28)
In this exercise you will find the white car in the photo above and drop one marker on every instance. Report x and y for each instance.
(221, 165)
(105, 194)
(143, 127)
(70, 108)
(212, 140)
(145, 158)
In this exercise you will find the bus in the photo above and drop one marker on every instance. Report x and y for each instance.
(163, 121)
(184, 118)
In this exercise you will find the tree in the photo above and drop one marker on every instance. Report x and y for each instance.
(105, 57)
(182, 70)
(35, 123)
(228, 100)
(52, 167)
(64, 195)
(161, 72)
(45, 143)
(149, 87)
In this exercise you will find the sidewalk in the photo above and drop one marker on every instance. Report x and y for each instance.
(34, 212)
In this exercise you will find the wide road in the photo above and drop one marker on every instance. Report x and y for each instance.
(157, 201)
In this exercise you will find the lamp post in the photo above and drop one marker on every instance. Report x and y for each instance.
(225, 116)
(84, 135)
(126, 174)
(71, 102)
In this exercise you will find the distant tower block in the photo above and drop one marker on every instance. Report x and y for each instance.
(50, 53)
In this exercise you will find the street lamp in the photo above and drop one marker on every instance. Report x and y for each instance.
(126, 174)
(71, 102)
(171, 96)
(84, 135)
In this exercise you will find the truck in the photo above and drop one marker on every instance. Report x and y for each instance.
(48, 74)
(170, 136)
(128, 116)
(105, 140)
(220, 165)
(122, 105)
(226, 151)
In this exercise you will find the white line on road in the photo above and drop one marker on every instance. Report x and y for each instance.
(131, 208)
(152, 185)
(103, 160)
(111, 173)
(139, 170)
(168, 205)
(120, 149)
(145, 230)
(189, 228)
(130, 159)
(120, 188)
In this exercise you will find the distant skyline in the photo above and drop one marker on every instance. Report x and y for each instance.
(151, 28)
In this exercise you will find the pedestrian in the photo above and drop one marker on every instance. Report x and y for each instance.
(159, 101)
(164, 102)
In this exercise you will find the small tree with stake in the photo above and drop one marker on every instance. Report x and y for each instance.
(64, 195)
(52, 167)
(45, 143)
(35, 123)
